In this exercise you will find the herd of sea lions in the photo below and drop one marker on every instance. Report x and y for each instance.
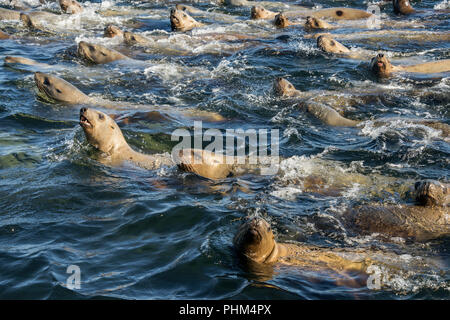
(255, 242)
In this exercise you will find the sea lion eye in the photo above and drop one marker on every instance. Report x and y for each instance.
(290, 86)
(185, 15)
(332, 43)
(59, 91)
(91, 48)
(339, 13)
(101, 116)
(46, 82)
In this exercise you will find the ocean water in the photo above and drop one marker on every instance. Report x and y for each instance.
(163, 234)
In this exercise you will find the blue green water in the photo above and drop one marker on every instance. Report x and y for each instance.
(162, 234)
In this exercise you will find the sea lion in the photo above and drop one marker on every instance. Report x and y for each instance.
(181, 21)
(428, 219)
(112, 31)
(328, 44)
(255, 245)
(402, 7)
(328, 115)
(60, 90)
(6, 14)
(190, 9)
(104, 134)
(34, 19)
(314, 23)
(25, 61)
(382, 67)
(98, 54)
(56, 89)
(284, 88)
(282, 21)
(342, 14)
(133, 38)
(4, 35)
(258, 12)
(70, 6)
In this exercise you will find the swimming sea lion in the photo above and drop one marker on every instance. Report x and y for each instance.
(328, 115)
(328, 44)
(112, 31)
(60, 90)
(429, 219)
(313, 23)
(184, 7)
(258, 12)
(382, 67)
(54, 88)
(6, 14)
(181, 21)
(282, 21)
(34, 19)
(25, 61)
(255, 244)
(283, 87)
(104, 134)
(133, 38)
(98, 54)
(70, 6)
(402, 7)
(4, 35)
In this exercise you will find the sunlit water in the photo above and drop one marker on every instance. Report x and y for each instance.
(138, 234)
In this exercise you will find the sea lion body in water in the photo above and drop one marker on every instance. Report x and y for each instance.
(181, 21)
(57, 89)
(70, 6)
(131, 38)
(98, 54)
(329, 116)
(327, 44)
(402, 7)
(256, 246)
(60, 90)
(25, 61)
(104, 134)
(34, 19)
(4, 35)
(382, 67)
(6, 14)
(314, 23)
(428, 219)
(112, 31)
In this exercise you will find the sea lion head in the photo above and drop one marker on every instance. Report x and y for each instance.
(96, 53)
(70, 6)
(315, 23)
(381, 66)
(101, 130)
(432, 193)
(58, 89)
(112, 31)
(255, 240)
(258, 12)
(132, 38)
(281, 21)
(181, 21)
(26, 20)
(328, 44)
(21, 60)
(402, 7)
(282, 87)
